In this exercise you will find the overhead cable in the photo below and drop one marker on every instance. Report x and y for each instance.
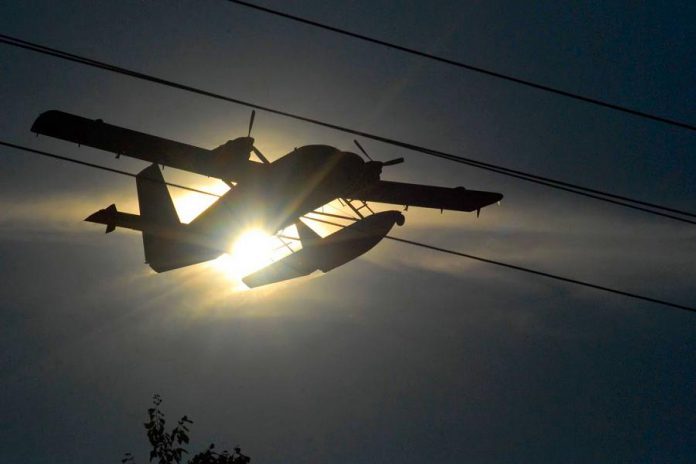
(397, 239)
(98, 166)
(477, 69)
(620, 200)
(525, 269)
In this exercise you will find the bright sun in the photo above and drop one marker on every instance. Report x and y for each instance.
(252, 251)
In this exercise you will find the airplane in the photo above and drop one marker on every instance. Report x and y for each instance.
(270, 195)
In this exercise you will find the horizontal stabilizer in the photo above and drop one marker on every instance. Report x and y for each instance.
(105, 216)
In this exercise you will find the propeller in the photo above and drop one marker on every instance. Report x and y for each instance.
(254, 149)
(383, 163)
(363, 150)
(251, 122)
(393, 162)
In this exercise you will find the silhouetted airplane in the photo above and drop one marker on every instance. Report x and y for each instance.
(271, 196)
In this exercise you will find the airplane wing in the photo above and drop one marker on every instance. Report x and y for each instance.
(150, 148)
(427, 196)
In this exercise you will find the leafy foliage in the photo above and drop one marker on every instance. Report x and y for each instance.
(169, 447)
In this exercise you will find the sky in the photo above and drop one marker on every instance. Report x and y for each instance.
(402, 355)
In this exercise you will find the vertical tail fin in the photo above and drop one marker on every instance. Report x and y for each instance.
(156, 204)
(156, 207)
(164, 251)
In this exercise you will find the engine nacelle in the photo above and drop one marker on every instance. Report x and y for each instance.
(233, 154)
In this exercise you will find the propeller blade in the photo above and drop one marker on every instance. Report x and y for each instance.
(260, 155)
(362, 149)
(393, 162)
(251, 122)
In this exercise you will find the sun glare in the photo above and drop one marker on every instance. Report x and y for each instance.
(189, 205)
(252, 251)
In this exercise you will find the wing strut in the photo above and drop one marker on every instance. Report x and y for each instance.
(363, 205)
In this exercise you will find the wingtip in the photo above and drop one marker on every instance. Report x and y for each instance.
(43, 120)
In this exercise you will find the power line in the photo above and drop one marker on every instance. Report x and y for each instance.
(482, 165)
(98, 166)
(541, 180)
(487, 72)
(545, 274)
(584, 193)
(397, 239)
(118, 171)
(526, 269)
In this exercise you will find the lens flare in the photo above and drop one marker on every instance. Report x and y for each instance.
(253, 250)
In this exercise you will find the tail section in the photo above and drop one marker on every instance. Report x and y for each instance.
(156, 207)
(107, 216)
(167, 242)
(167, 246)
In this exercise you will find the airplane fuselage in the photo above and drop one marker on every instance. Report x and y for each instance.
(268, 196)
(274, 197)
